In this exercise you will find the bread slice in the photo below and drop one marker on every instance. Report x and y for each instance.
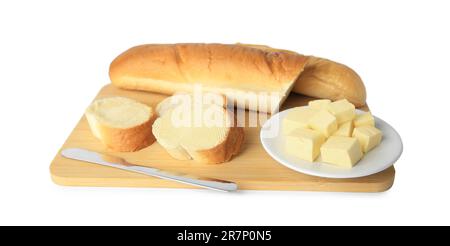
(241, 73)
(202, 132)
(122, 124)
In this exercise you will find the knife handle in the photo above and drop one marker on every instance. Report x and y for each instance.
(213, 184)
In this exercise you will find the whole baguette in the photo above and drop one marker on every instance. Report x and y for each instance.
(222, 68)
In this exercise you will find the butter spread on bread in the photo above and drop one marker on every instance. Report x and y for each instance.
(122, 124)
(203, 132)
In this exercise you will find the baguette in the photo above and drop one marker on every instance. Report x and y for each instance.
(234, 70)
(322, 78)
(231, 70)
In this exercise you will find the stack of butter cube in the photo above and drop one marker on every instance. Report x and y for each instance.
(331, 130)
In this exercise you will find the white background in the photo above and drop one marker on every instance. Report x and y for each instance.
(54, 57)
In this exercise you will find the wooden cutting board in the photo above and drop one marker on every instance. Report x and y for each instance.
(252, 169)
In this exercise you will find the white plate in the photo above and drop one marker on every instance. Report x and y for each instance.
(378, 159)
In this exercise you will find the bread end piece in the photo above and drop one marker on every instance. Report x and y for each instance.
(323, 78)
(116, 135)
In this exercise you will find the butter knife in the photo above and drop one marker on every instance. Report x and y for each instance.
(120, 163)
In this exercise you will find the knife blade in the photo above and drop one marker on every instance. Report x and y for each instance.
(120, 163)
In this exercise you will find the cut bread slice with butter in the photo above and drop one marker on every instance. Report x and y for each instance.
(122, 124)
(202, 132)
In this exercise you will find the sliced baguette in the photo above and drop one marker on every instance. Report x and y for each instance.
(212, 139)
(120, 123)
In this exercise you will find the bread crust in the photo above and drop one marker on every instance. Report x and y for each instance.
(169, 68)
(129, 139)
(323, 78)
(221, 68)
(222, 152)
(225, 150)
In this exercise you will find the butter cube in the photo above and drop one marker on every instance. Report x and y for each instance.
(341, 151)
(304, 143)
(343, 110)
(319, 104)
(344, 129)
(368, 137)
(323, 122)
(365, 119)
(297, 118)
